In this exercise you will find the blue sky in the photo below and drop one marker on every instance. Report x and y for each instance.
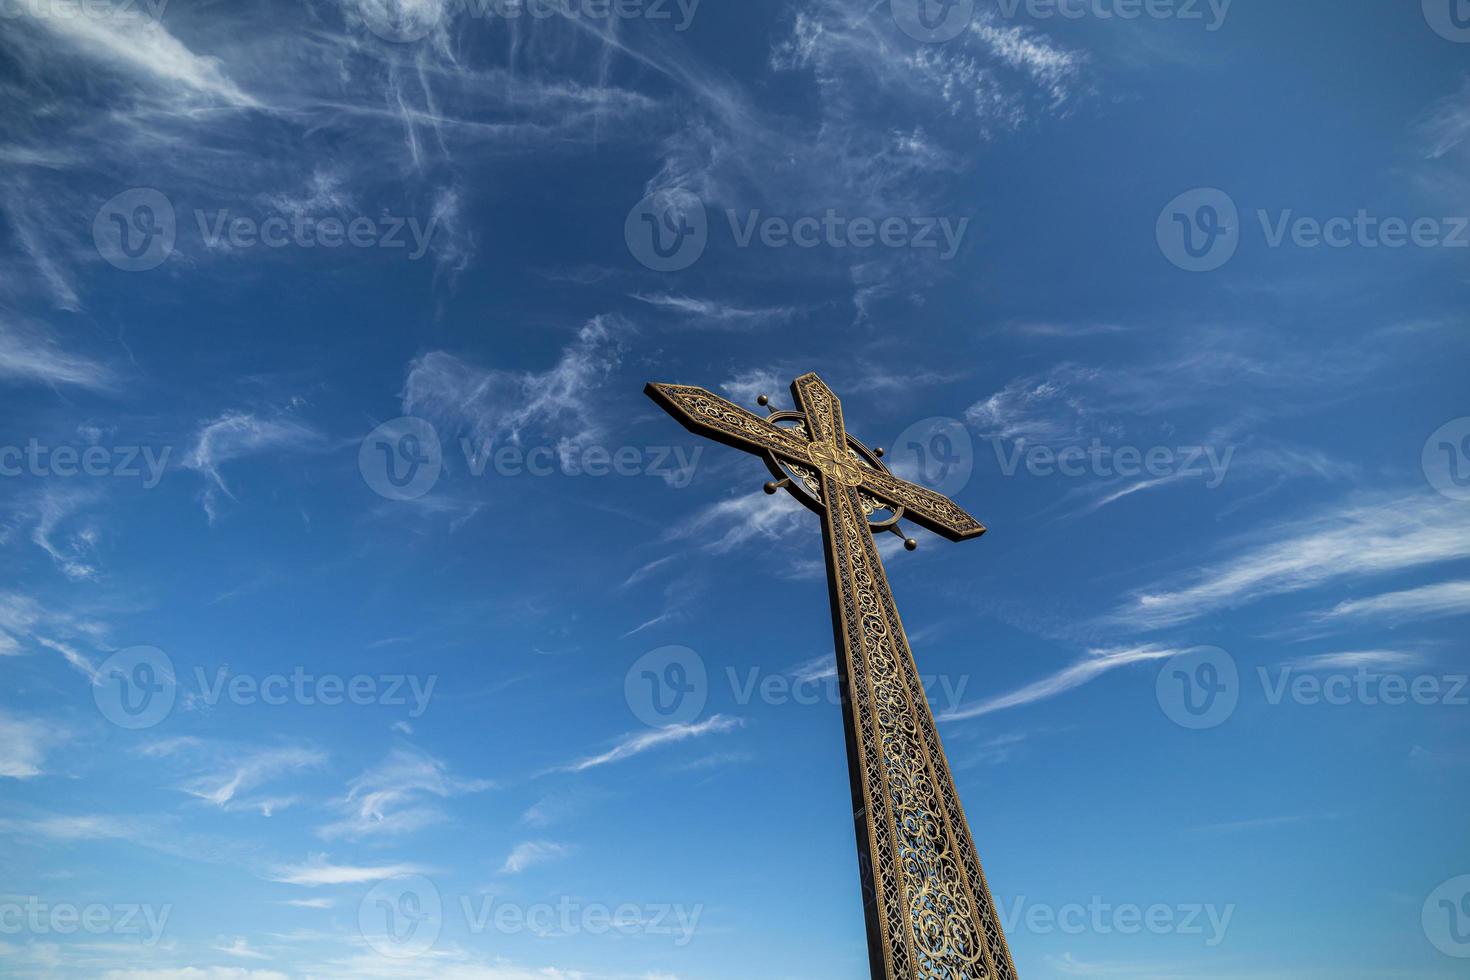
(362, 618)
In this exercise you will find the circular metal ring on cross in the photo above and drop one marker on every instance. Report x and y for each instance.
(848, 470)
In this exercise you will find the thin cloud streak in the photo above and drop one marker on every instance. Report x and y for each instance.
(1441, 599)
(640, 742)
(1098, 662)
(1354, 541)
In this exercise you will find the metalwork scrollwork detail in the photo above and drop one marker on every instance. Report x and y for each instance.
(939, 918)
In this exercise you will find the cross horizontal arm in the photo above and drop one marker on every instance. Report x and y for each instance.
(707, 414)
(926, 508)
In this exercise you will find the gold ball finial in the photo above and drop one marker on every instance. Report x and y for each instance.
(910, 544)
(770, 487)
(763, 400)
(879, 452)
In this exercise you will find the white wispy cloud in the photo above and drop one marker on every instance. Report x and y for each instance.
(557, 404)
(237, 435)
(1097, 663)
(1440, 599)
(72, 656)
(72, 551)
(24, 743)
(745, 386)
(558, 807)
(24, 618)
(394, 797)
(1354, 659)
(1443, 137)
(1260, 823)
(83, 827)
(30, 354)
(183, 973)
(248, 770)
(1041, 408)
(822, 667)
(1355, 540)
(319, 871)
(530, 853)
(640, 742)
(139, 46)
(715, 313)
(646, 569)
(727, 524)
(240, 947)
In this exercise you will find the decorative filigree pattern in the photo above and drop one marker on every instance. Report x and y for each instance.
(705, 412)
(934, 510)
(931, 915)
(933, 906)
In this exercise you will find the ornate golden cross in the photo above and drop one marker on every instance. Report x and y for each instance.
(929, 911)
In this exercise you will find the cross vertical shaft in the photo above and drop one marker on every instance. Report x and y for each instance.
(929, 911)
